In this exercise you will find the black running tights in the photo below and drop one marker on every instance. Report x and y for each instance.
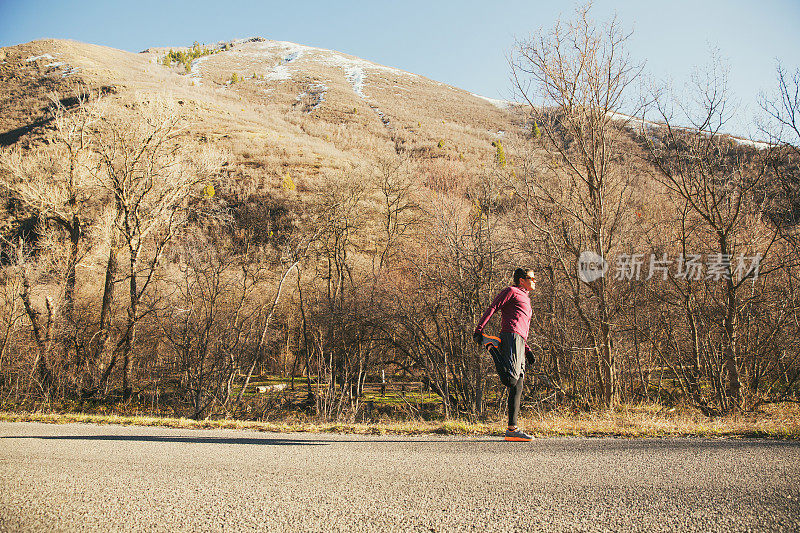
(514, 399)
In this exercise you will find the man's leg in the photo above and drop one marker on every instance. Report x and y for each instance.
(515, 359)
(513, 433)
(514, 400)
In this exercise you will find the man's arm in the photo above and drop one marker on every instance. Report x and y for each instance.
(498, 302)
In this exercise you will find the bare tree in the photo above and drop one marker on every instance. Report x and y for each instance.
(53, 180)
(259, 351)
(781, 127)
(210, 320)
(11, 283)
(397, 205)
(715, 184)
(783, 110)
(574, 78)
(147, 162)
(460, 260)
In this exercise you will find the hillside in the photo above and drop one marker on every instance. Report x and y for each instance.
(295, 108)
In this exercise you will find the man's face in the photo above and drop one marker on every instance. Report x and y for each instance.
(528, 282)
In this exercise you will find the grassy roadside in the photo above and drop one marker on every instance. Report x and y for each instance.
(774, 422)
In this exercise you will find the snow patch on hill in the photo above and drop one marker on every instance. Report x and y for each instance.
(287, 52)
(284, 55)
(69, 71)
(758, 145)
(37, 58)
(293, 51)
(502, 104)
(285, 45)
(292, 56)
(634, 122)
(336, 59)
(195, 69)
(54, 65)
(278, 73)
(355, 69)
(642, 124)
(355, 75)
(313, 97)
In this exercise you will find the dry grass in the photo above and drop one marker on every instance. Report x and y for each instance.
(779, 421)
(774, 422)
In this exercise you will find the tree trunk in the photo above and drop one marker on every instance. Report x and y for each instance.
(68, 309)
(69, 287)
(730, 370)
(130, 330)
(41, 339)
(310, 397)
(259, 349)
(105, 350)
(446, 390)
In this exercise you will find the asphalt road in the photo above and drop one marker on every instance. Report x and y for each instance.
(100, 478)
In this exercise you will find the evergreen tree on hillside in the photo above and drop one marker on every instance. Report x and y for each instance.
(535, 133)
(500, 155)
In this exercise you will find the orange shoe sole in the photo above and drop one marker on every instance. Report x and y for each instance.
(517, 439)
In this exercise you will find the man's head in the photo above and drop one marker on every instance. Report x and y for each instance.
(525, 278)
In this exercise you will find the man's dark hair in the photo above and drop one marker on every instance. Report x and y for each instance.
(520, 273)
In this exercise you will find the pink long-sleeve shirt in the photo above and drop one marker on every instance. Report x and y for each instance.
(515, 308)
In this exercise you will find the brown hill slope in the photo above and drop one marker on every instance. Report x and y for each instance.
(290, 99)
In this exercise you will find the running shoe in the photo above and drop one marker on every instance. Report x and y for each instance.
(517, 436)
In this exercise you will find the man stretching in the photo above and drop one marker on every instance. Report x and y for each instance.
(515, 308)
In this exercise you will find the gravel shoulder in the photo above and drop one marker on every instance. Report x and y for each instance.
(79, 477)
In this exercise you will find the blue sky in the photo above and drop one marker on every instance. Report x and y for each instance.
(461, 43)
